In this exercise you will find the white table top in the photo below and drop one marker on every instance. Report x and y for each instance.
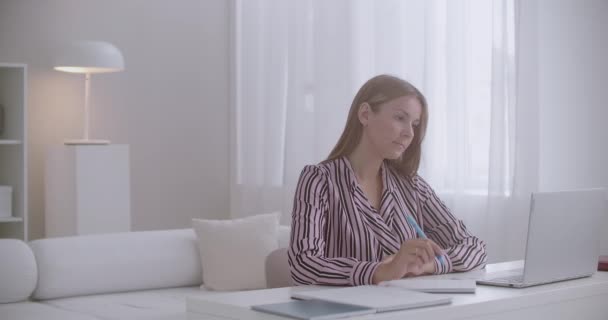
(486, 300)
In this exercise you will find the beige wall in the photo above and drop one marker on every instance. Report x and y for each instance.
(170, 105)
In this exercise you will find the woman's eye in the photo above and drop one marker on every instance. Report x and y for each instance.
(400, 118)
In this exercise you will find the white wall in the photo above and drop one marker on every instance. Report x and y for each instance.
(170, 105)
(563, 72)
(573, 91)
(573, 95)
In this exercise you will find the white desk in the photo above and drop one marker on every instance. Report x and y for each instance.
(580, 299)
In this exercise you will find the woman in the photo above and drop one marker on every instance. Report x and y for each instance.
(349, 223)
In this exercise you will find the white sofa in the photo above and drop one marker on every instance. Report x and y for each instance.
(135, 275)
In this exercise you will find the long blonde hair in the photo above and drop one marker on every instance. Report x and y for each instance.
(377, 91)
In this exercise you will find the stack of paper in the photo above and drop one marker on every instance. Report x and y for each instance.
(434, 285)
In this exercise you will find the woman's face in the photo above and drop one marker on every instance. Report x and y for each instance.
(390, 129)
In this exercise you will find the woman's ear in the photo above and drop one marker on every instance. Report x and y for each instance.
(363, 113)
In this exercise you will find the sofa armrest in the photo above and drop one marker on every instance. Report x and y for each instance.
(18, 271)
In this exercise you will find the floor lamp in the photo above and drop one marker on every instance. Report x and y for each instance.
(89, 57)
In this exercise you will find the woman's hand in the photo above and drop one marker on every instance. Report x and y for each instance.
(415, 257)
(417, 270)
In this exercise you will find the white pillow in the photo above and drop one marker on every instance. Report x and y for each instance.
(116, 262)
(233, 252)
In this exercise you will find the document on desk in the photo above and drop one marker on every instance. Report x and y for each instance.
(433, 285)
(313, 309)
(377, 297)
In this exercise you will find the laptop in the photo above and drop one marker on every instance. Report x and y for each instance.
(563, 239)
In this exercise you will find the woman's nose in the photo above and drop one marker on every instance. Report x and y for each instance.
(408, 130)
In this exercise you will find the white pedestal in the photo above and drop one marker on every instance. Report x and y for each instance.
(87, 190)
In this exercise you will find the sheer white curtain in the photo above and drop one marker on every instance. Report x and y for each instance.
(298, 64)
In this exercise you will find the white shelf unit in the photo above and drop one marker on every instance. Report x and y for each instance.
(10, 142)
(13, 147)
(11, 219)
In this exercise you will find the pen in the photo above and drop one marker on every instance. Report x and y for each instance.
(420, 233)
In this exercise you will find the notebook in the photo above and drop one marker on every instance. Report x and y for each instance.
(602, 264)
(313, 309)
(434, 285)
(377, 297)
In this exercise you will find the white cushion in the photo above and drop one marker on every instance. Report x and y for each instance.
(233, 252)
(18, 272)
(38, 311)
(144, 305)
(284, 234)
(119, 262)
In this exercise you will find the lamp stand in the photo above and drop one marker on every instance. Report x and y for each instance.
(86, 140)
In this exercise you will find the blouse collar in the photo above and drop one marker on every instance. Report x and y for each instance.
(385, 172)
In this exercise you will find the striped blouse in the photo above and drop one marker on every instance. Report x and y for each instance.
(338, 238)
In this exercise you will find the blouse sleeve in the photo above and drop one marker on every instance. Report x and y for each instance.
(464, 251)
(307, 249)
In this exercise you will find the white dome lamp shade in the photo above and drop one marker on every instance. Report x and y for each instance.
(89, 57)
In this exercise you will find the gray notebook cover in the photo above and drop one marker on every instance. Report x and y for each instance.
(381, 299)
(313, 309)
